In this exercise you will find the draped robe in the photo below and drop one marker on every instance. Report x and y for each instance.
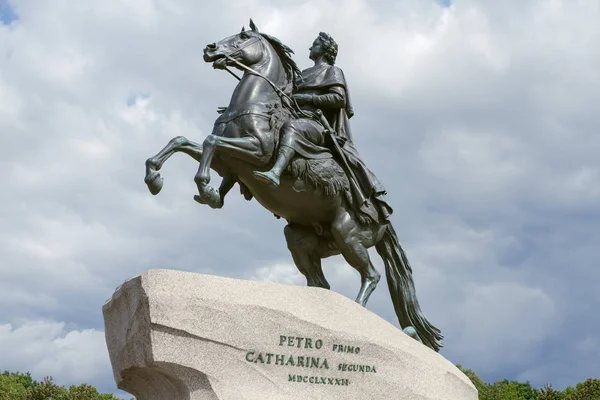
(328, 89)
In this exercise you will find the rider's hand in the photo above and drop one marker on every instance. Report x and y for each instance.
(303, 98)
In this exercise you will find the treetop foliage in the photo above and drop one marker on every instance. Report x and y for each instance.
(513, 390)
(21, 386)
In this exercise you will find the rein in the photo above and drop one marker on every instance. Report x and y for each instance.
(278, 90)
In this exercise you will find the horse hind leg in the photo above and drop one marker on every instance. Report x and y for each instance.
(353, 242)
(307, 249)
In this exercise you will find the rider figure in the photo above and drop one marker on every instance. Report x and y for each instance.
(323, 86)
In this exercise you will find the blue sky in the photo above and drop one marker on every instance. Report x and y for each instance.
(7, 14)
(481, 121)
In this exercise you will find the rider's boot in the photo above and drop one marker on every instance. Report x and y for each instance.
(284, 157)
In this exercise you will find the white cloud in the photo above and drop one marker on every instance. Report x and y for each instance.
(49, 348)
(286, 274)
(336, 273)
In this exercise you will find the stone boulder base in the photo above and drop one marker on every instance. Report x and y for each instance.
(176, 335)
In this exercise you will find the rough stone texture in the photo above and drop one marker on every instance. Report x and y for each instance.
(179, 335)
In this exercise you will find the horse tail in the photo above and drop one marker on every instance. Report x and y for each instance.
(402, 290)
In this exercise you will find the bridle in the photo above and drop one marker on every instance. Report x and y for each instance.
(253, 72)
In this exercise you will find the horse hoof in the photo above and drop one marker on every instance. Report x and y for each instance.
(154, 182)
(212, 199)
(198, 199)
(412, 332)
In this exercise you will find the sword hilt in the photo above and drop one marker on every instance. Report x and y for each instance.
(324, 120)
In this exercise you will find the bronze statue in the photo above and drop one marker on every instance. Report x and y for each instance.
(285, 139)
(323, 88)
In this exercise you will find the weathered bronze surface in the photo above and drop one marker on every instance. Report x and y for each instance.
(285, 139)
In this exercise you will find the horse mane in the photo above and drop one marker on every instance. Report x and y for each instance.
(285, 55)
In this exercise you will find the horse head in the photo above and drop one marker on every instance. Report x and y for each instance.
(250, 48)
(247, 47)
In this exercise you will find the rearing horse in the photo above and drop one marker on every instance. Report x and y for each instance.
(313, 195)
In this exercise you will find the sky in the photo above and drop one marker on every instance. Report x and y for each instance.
(480, 118)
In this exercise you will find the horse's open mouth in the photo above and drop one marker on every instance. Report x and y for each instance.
(219, 60)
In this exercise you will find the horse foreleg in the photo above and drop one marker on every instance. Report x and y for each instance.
(226, 184)
(247, 149)
(194, 150)
(178, 144)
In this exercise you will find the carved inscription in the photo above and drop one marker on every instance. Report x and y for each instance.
(310, 360)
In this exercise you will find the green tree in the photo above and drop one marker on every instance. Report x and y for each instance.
(588, 390)
(14, 386)
(526, 392)
(45, 390)
(510, 390)
(477, 382)
(548, 393)
(86, 392)
(569, 392)
(18, 386)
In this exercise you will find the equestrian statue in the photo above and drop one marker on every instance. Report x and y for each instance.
(285, 139)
